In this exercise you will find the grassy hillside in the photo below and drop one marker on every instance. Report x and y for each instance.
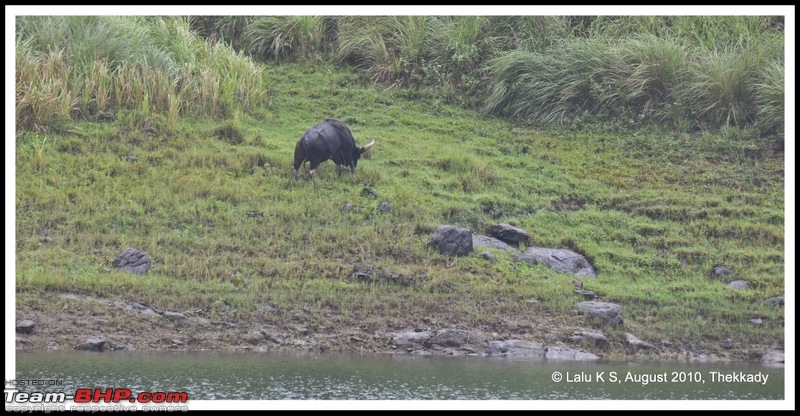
(653, 211)
(212, 132)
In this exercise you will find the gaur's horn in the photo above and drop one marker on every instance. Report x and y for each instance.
(366, 147)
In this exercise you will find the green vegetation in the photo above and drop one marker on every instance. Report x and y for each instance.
(682, 72)
(72, 68)
(653, 208)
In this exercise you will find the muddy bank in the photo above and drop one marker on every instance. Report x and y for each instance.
(70, 321)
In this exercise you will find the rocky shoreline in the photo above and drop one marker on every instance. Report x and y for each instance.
(133, 326)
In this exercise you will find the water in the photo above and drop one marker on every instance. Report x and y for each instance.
(273, 376)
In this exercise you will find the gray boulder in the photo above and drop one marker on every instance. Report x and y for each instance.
(510, 234)
(604, 311)
(773, 357)
(458, 339)
(411, 339)
(173, 315)
(738, 284)
(516, 348)
(590, 338)
(133, 261)
(587, 294)
(92, 344)
(719, 272)
(25, 326)
(479, 240)
(115, 344)
(776, 301)
(566, 354)
(561, 260)
(637, 343)
(489, 256)
(452, 241)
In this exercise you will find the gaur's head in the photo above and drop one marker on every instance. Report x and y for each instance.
(358, 151)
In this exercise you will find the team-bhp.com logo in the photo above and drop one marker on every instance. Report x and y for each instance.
(88, 399)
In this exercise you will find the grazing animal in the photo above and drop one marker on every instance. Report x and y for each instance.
(330, 139)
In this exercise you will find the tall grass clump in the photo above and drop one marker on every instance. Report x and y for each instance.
(282, 36)
(91, 67)
(530, 33)
(706, 32)
(655, 71)
(640, 79)
(227, 29)
(390, 49)
(461, 46)
(550, 86)
(769, 93)
(723, 85)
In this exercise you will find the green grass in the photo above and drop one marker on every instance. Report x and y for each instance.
(654, 211)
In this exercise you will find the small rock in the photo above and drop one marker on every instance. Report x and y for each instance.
(636, 342)
(458, 339)
(757, 321)
(131, 158)
(727, 344)
(608, 312)
(560, 260)
(592, 338)
(173, 315)
(347, 207)
(46, 240)
(479, 240)
(133, 261)
(738, 284)
(586, 294)
(566, 354)
(384, 207)
(273, 338)
(140, 306)
(718, 272)
(452, 241)
(773, 357)
(411, 339)
(510, 234)
(362, 277)
(92, 344)
(266, 308)
(253, 214)
(516, 348)
(253, 337)
(489, 256)
(25, 326)
(115, 345)
(776, 301)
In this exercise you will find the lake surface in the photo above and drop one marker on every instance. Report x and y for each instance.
(274, 376)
